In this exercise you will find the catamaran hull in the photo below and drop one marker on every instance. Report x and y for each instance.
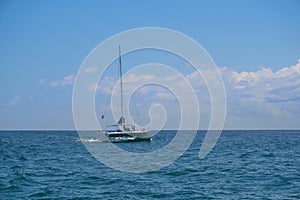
(137, 134)
(132, 136)
(128, 139)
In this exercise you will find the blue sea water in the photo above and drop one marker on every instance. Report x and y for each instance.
(243, 165)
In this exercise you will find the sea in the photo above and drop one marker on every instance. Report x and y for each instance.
(244, 164)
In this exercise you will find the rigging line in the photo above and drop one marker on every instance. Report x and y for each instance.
(134, 102)
(105, 108)
(121, 81)
(107, 101)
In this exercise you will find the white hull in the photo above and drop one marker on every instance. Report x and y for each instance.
(139, 134)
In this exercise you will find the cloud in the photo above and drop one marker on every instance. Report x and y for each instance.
(42, 81)
(264, 91)
(163, 95)
(91, 69)
(106, 85)
(67, 80)
(265, 84)
(259, 95)
(18, 100)
(15, 100)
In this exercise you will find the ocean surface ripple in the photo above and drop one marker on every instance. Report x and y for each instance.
(243, 165)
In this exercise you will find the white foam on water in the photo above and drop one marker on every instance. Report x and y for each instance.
(90, 140)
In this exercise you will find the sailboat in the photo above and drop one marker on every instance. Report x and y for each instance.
(121, 131)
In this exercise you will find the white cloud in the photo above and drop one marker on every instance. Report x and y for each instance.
(91, 69)
(265, 92)
(258, 95)
(18, 100)
(42, 81)
(67, 80)
(263, 85)
(106, 85)
(163, 95)
(266, 84)
(15, 100)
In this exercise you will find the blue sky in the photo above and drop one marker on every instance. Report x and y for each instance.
(43, 44)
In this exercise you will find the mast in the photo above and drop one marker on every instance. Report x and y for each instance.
(122, 119)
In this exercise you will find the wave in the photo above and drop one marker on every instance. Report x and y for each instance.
(91, 140)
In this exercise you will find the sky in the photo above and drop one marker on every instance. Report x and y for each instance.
(255, 44)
